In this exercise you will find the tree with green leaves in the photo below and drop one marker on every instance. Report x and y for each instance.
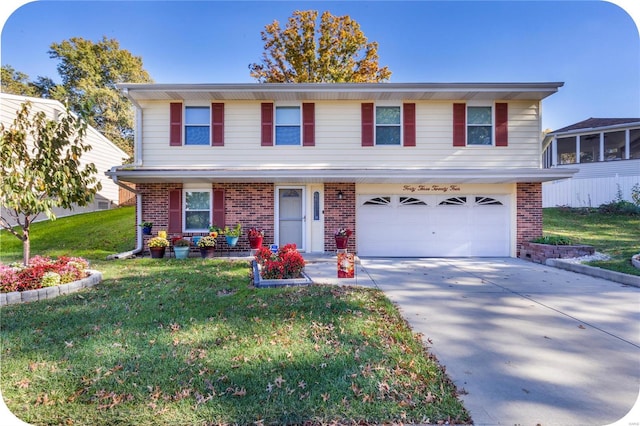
(336, 51)
(16, 82)
(41, 168)
(89, 73)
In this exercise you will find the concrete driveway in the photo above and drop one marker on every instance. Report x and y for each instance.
(530, 344)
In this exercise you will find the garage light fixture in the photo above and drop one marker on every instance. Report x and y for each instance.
(340, 195)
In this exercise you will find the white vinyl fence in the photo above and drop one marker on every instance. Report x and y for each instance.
(590, 192)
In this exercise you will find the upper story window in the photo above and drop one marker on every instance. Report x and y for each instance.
(479, 125)
(197, 125)
(388, 125)
(288, 125)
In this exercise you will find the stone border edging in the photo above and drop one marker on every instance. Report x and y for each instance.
(618, 277)
(635, 261)
(260, 283)
(16, 297)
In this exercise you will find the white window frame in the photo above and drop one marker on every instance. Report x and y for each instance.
(185, 125)
(275, 122)
(375, 123)
(196, 188)
(472, 104)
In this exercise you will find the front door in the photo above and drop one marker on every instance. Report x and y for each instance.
(291, 217)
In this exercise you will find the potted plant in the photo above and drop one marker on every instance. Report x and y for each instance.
(181, 248)
(157, 247)
(214, 231)
(232, 234)
(207, 246)
(146, 227)
(255, 237)
(342, 238)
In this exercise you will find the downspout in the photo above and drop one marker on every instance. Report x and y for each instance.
(138, 249)
(137, 162)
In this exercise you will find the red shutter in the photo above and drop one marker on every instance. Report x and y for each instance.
(308, 124)
(459, 124)
(502, 133)
(175, 211)
(218, 208)
(367, 124)
(175, 124)
(217, 124)
(267, 125)
(409, 124)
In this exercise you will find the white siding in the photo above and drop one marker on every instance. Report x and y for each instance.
(104, 154)
(594, 184)
(338, 143)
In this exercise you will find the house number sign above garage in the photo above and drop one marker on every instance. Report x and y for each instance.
(431, 188)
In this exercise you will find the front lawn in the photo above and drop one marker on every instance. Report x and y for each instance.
(617, 235)
(186, 342)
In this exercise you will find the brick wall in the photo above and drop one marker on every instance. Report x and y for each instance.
(529, 213)
(539, 253)
(250, 204)
(339, 213)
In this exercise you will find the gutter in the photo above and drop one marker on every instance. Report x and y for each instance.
(139, 241)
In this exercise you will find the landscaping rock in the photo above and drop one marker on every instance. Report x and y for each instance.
(29, 296)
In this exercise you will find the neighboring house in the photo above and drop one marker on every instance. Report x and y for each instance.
(103, 153)
(606, 152)
(414, 169)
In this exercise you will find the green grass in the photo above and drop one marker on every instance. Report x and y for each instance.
(92, 235)
(175, 342)
(614, 234)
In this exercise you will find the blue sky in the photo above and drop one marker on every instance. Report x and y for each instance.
(592, 46)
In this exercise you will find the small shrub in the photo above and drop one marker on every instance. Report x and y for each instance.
(621, 207)
(50, 279)
(635, 194)
(287, 263)
(555, 240)
(42, 272)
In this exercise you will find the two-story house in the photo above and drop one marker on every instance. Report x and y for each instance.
(414, 169)
(103, 153)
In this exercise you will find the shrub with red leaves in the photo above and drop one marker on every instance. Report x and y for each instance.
(30, 277)
(285, 264)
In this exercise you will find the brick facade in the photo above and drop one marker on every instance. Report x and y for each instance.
(339, 213)
(529, 213)
(252, 205)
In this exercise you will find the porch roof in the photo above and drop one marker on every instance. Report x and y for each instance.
(339, 91)
(305, 176)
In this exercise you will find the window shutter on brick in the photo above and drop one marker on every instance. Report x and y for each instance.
(367, 124)
(409, 124)
(217, 124)
(266, 124)
(502, 118)
(175, 124)
(175, 211)
(459, 124)
(308, 124)
(218, 208)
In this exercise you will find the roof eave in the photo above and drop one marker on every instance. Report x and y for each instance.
(402, 176)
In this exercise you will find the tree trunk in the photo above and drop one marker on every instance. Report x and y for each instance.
(26, 244)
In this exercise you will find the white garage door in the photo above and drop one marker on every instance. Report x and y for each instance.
(432, 225)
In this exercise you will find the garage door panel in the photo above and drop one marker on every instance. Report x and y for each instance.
(434, 226)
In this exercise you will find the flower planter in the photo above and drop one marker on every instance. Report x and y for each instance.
(181, 252)
(157, 252)
(207, 252)
(146, 230)
(255, 242)
(231, 241)
(341, 242)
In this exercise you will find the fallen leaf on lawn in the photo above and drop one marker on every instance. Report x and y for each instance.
(24, 383)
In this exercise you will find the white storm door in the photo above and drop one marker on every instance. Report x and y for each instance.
(291, 217)
(316, 244)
